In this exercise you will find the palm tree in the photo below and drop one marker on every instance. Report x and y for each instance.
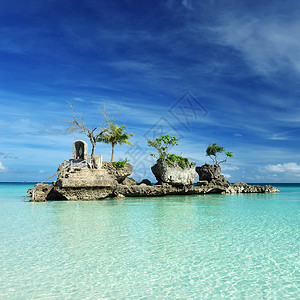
(115, 135)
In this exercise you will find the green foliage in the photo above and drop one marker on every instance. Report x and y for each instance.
(182, 161)
(214, 150)
(229, 154)
(163, 144)
(115, 135)
(120, 164)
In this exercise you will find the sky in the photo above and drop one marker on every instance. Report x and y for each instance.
(205, 71)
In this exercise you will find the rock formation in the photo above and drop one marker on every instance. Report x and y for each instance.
(174, 174)
(208, 172)
(77, 181)
(118, 174)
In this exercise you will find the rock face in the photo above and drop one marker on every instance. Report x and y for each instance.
(129, 181)
(40, 192)
(208, 172)
(85, 184)
(76, 181)
(119, 174)
(174, 174)
(210, 177)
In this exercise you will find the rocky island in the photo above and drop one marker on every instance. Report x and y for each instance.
(78, 180)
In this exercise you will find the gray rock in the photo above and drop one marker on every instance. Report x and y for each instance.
(81, 193)
(174, 174)
(40, 192)
(119, 174)
(119, 196)
(129, 181)
(202, 183)
(146, 181)
(241, 187)
(208, 172)
(87, 178)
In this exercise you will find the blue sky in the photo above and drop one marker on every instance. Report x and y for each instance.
(238, 60)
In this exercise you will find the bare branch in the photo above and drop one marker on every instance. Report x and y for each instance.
(92, 133)
(76, 124)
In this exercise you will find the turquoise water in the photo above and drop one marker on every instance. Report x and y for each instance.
(176, 247)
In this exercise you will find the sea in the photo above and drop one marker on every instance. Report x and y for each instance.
(176, 247)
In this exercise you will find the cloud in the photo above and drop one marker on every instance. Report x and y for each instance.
(227, 176)
(291, 167)
(268, 45)
(8, 155)
(187, 4)
(230, 168)
(2, 167)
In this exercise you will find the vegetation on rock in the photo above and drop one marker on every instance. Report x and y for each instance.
(214, 150)
(120, 164)
(162, 145)
(182, 161)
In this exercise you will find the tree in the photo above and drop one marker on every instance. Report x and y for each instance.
(115, 135)
(163, 144)
(214, 150)
(93, 134)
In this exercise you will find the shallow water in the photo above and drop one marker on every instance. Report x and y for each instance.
(176, 247)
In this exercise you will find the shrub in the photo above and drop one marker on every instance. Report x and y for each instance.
(120, 164)
(162, 145)
(182, 161)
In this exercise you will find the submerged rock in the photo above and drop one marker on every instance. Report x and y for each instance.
(241, 187)
(174, 174)
(119, 196)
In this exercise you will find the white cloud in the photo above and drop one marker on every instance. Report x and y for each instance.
(268, 46)
(78, 99)
(286, 167)
(227, 176)
(230, 168)
(2, 167)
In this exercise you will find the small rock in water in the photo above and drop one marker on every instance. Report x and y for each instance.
(119, 196)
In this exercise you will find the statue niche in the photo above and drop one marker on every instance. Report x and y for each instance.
(80, 150)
